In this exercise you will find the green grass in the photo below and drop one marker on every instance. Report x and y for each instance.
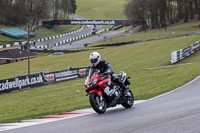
(133, 59)
(172, 30)
(49, 100)
(6, 40)
(44, 32)
(97, 9)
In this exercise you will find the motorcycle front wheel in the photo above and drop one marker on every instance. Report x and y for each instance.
(98, 103)
(129, 100)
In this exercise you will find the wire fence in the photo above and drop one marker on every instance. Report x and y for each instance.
(22, 73)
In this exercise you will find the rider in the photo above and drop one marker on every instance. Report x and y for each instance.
(105, 67)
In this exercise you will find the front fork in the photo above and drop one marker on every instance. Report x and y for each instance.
(98, 92)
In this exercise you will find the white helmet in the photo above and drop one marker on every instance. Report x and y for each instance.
(95, 58)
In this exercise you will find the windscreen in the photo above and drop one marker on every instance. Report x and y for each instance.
(92, 72)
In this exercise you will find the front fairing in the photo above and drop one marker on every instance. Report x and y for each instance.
(92, 79)
(92, 82)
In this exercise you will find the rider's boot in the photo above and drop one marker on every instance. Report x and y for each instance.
(124, 89)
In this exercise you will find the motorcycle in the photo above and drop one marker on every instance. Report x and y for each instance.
(104, 93)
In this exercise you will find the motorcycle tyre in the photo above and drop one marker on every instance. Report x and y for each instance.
(94, 104)
(126, 104)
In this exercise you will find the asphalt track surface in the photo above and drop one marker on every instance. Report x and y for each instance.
(174, 112)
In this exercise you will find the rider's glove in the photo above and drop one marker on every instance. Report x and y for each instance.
(109, 71)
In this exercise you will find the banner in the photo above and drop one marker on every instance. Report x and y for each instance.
(19, 83)
(88, 22)
(23, 82)
(83, 72)
(49, 78)
(66, 75)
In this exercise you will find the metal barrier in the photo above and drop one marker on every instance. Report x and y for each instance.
(185, 52)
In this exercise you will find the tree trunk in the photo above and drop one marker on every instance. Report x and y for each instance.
(191, 10)
(199, 11)
(180, 9)
(33, 24)
(31, 6)
(56, 9)
(196, 6)
(186, 10)
(163, 8)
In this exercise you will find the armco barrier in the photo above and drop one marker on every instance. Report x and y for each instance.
(64, 51)
(185, 52)
(41, 39)
(22, 82)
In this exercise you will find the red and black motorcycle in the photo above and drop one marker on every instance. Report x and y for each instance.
(104, 93)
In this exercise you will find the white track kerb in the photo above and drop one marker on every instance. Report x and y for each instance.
(70, 115)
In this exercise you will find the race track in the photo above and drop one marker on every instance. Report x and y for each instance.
(175, 112)
(83, 32)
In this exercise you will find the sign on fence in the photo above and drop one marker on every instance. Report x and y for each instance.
(22, 82)
(182, 53)
(88, 22)
(66, 75)
(19, 83)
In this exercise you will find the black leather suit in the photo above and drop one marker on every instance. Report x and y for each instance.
(105, 67)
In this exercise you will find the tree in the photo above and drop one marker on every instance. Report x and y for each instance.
(153, 13)
(135, 10)
(41, 9)
(199, 10)
(68, 7)
(56, 7)
(20, 12)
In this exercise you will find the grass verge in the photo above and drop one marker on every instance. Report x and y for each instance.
(172, 30)
(113, 9)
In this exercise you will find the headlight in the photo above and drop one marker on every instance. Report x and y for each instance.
(93, 83)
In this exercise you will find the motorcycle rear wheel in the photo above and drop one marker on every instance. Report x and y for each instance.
(98, 104)
(129, 100)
